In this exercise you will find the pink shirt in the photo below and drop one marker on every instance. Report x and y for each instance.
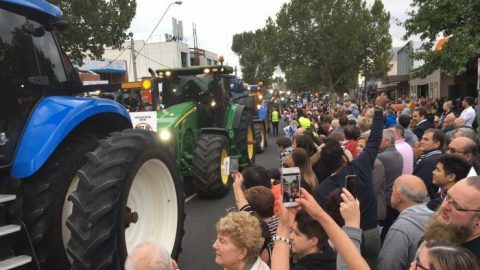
(407, 154)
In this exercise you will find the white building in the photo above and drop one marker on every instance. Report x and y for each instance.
(157, 55)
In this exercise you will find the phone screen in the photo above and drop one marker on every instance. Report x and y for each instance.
(234, 164)
(290, 187)
(351, 184)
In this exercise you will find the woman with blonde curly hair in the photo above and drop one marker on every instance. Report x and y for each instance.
(239, 242)
(444, 256)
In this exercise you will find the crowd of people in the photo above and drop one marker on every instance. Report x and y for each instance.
(416, 201)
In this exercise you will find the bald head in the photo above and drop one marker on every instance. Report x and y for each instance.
(449, 119)
(459, 122)
(463, 146)
(408, 190)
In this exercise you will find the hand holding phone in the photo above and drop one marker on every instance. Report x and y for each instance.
(234, 165)
(230, 165)
(290, 186)
(351, 184)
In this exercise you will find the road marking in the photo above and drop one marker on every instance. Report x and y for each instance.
(191, 197)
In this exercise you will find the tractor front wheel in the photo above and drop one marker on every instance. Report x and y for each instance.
(129, 192)
(208, 178)
(245, 137)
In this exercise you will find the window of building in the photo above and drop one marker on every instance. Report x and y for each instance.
(209, 62)
(184, 57)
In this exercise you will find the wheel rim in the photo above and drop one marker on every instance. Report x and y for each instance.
(153, 197)
(224, 176)
(66, 212)
(262, 141)
(250, 143)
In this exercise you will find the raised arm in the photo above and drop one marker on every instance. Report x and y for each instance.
(240, 200)
(345, 247)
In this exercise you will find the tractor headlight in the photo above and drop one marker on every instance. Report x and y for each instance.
(165, 135)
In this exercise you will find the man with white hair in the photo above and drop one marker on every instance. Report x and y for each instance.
(150, 256)
(392, 162)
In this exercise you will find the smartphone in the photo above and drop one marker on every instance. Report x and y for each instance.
(233, 166)
(230, 165)
(351, 184)
(290, 186)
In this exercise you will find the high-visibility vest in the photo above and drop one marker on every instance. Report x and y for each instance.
(304, 122)
(275, 116)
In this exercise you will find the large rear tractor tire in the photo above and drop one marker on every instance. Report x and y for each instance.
(245, 137)
(260, 138)
(208, 178)
(129, 192)
(45, 207)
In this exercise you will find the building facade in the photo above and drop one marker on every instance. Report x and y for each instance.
(157, 55)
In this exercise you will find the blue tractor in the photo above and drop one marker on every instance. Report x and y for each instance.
(79, 187)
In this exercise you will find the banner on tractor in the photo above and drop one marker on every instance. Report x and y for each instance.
(144, 120)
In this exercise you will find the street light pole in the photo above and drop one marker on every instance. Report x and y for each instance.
(135, 54)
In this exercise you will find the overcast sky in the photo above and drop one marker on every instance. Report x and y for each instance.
(218, 20)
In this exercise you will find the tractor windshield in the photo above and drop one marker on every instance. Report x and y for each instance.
(31, 67)
(183, 88)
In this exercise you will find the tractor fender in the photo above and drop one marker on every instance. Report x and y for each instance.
(213, 130)
(50, 122)
(258, 121)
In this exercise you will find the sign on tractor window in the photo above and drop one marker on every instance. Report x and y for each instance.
(144, 120)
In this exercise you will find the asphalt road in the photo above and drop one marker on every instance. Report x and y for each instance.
(203, 214)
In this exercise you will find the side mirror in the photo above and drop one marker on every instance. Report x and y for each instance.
(61, 25)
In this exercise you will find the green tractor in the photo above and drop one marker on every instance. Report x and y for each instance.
(201, 124)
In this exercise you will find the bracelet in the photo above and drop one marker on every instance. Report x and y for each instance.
(280, 238)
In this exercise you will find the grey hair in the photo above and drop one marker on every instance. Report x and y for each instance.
(389, 135)
(412, 194)
(467, 132)
(148, 256)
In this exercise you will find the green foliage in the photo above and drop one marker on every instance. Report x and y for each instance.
(255, 63)
(94, 25)
(376, 58)
(456, 20)
(320, 44)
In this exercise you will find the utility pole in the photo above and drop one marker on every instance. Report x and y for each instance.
(134, 59)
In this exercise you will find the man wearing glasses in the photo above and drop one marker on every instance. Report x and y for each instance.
(458, 217)
(467, 148)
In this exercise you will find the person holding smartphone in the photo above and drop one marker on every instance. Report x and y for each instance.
(334, 159)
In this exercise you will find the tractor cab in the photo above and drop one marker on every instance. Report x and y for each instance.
(204, 86)
(32, 67)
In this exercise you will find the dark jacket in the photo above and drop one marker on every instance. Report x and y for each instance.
(420, 129)
(392, 162)
(324, 260)
(474, 246)
(424, 167)
(361, 167)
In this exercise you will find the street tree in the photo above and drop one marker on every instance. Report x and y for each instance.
(256, 65)
(456, 20)
(324, 37)
(377, 42)
(94, 25)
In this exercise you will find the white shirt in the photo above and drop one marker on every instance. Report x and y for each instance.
(468, 116)
(472, 172)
